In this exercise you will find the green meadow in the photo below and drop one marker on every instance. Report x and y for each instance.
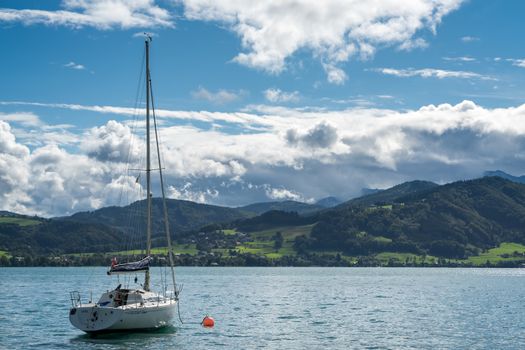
(402, 258)
(18, 221)
(263, 242)
(505, 252)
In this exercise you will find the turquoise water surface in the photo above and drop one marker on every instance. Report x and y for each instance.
(284, 308)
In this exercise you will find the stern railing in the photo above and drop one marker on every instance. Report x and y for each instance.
(75, 298)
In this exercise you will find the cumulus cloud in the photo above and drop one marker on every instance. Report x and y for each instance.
(121, 190)
(49, 180)
(432, 73)
(327, 152)
(323, 135)
(334, 31)
(212, 154)
(185, 192)
(100, 14)
(281, 194)
(14, 172)
(219, 97)
(63, 182)
(279, 96)
(8, 144)
(111, 142)
(334, 74)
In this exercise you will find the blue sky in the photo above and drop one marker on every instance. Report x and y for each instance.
(280, 100)
(196, 54)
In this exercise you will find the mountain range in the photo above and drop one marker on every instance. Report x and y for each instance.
(455, 220)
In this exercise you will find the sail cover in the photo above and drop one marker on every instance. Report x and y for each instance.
(135, 266)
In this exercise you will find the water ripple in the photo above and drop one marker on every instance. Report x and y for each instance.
(286, 308)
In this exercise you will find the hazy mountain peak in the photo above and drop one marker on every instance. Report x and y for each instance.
(390, 195)
(502, 174)
(329, 202)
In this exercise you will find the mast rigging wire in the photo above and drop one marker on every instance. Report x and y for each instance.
(165, 208)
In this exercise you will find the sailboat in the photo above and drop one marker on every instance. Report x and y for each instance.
(132, 309)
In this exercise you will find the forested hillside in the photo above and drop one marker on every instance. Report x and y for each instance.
(454, 220)
(458, 221)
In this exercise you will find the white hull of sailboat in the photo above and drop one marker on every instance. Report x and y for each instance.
(93, 318)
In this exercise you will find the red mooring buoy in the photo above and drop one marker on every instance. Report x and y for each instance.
(208, 322)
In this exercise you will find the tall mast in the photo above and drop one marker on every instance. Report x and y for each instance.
(164, 205)
(148, 163)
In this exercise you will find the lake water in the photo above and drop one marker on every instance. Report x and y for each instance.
(284, 308)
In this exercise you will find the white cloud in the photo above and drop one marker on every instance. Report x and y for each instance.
(48, 180)
(359, 100)
(121, 190)
(410, 45)
(14, 170)
(220, 97)
(334, 74)
(100, 14)
(143, 35)
(323, 135)
(432, 73)
(185, 192)
(333, 30)
(278, 96)
(8, 144)
(74, 65)
(64, 182)
(23, 118)
(281, 194)
(248, 119)
(32, 131)
(518, 62)
(460, 59)
(469, 39)
(298, 153)
(111, 142)
(29, 119)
